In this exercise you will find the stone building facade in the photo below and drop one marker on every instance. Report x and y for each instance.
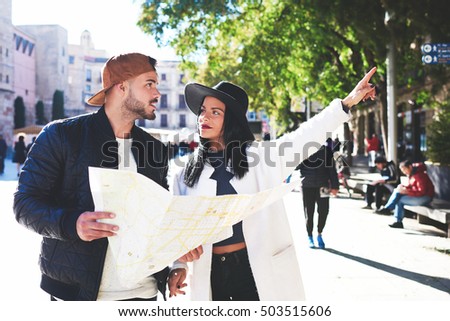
(6, 72)
(51, 62)
(24, 72)
(85, 74)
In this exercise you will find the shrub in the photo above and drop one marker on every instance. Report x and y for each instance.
(438, 141)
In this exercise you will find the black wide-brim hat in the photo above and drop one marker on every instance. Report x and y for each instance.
(234, 97)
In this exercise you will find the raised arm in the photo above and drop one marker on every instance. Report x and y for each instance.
(282, 155)
(362, 91)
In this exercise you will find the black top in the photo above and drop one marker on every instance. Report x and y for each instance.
(389, 172)
(223, 177)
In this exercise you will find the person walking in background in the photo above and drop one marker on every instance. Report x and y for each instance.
(20, 153)
(336, 144)
(3, 149)
(192, 146)
(372, 148)
(30, 144)
(347, 150)
(258, 262)
(419, 191)
(319, 181)
(53, 196)
(384, 186)
(183, 148)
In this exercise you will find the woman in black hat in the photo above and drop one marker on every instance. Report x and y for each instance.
(258, 262)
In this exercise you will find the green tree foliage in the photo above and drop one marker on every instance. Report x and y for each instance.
(438, 141)
(40, 116)
(58, 105)
(278, 50)
(19, 112)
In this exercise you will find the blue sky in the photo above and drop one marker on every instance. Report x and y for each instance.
(112, 24)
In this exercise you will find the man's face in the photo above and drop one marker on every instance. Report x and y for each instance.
(143, 96)
(379, 166)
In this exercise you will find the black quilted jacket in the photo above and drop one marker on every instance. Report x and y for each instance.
(319, 170)
(53, 191)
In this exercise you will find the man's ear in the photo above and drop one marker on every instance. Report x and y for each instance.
(121, 86)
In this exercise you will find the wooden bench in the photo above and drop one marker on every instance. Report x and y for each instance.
(358, 183)
(436, 214)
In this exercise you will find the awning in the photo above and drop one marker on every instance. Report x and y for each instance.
(29, 130)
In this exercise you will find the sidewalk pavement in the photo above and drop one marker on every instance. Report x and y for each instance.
(10, 173)
(364, 259)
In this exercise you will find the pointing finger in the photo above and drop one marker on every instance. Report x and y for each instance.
(369, 75)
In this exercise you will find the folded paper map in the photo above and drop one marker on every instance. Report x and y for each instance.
(156, 227)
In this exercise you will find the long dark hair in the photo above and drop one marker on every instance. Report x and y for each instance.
(236, 136)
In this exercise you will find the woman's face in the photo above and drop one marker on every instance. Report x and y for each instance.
(406, 170)
(210, 121)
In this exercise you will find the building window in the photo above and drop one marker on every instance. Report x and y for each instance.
(163, 120)
(88, 75)
(1, 77)
(26, 43)
(181, 78)
(181, 102)
(163, 77)
(88, 88)
(18, 41)
(251, 115)
(163, 101)
(182, 121)
(7, 79)
(30, 49)
(63, 51)
(71, 60)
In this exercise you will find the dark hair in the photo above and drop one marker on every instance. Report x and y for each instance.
(236, 137)
(406, 163)
(380, 160)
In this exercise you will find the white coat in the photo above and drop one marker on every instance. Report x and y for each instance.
(267, 233)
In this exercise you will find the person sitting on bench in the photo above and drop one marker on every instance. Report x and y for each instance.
(419, 191)
(387, 183)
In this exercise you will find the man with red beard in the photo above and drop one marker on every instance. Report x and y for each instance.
(54, 199)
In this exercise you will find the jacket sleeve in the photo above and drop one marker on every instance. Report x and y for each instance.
(286, 152)
(34, 200)
(391, 173)
(419, 187)
(165, 172)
